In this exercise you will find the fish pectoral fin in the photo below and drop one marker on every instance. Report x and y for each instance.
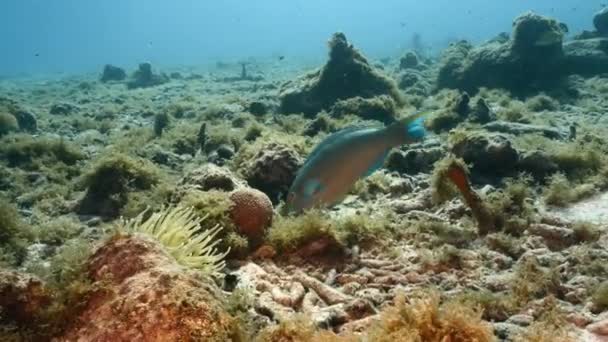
(377, 164)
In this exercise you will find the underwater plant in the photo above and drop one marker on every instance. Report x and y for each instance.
(178, 230)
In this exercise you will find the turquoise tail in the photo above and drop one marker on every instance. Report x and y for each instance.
(415, 129)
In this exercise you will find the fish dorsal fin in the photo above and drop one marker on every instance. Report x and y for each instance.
(334, 137)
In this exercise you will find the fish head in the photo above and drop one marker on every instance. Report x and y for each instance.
(304, 194)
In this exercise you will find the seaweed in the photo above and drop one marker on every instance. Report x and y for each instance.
(161, 121)
(287, 233)
(14, 234)
(423, 318)
(298, 329)
(533, 281)
(496, 307)
(600, 296)
(541, 103)
(110, 180)
(560, 191)
(8, 123)
(27, 152)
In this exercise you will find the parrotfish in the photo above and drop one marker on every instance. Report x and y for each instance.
(346, 156)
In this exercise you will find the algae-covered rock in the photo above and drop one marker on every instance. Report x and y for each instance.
(210, 177)
(63, 109)
(22, 297)
(380, 108)
(529, 60)
(273, 169)
(144, 77)
(8, 123)
(11, 112)
(110, 181)
(147, 296)
(490, 154)
(112, 73)
(600, 21)
(414, 160)
(408, 61)
(538, 164)
(586, 56)
(347, 74)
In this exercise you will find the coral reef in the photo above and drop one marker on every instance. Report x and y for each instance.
(347, 74)
(159, 213)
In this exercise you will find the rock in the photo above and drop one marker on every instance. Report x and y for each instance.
(380, 108)
(588, 57)
(144, 77)
(320, 124)
(273, 169)
(532, 31)
(109, 183)
(26, 121)
(506, 331)
(257, 108)
(415, 160)
(517, 128)
(531, 59)
(346, 74)
(599, 328)
(147, 295)
(251, 212)
(22, 297)
(600, 21)
(210, 177)
(451, 66)
(63, 109)
(490, 154)
(410, 60)
(521, 319)
(538, 164)
(481, 113)
(112, 73)
(553, 235)
(413, 83)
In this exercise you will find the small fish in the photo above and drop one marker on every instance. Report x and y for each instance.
(281, 58)
(345, 157)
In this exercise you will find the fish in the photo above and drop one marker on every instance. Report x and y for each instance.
(346, 156)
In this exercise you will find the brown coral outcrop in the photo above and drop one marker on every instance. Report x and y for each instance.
(252, 212)
(146, 296)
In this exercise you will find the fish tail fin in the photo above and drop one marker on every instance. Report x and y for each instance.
(411, 128)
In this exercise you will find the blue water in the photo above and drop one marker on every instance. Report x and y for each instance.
(68, 36)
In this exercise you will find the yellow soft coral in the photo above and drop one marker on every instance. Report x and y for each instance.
(178, 229)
